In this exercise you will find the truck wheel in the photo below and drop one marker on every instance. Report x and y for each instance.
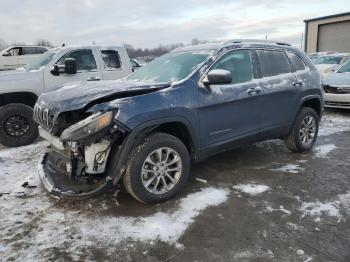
(158, 169)
(304, 132)
(17, 128)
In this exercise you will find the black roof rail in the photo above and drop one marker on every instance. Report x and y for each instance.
(238, 41)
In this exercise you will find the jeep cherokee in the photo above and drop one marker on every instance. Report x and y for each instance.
(184, 106)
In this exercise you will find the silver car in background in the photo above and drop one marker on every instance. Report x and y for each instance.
(337, 87)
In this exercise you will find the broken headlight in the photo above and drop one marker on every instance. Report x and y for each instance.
(87, 127)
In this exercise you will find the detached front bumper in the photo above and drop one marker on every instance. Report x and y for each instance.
(52, 182)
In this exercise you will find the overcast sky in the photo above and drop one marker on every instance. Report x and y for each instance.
(145, 23)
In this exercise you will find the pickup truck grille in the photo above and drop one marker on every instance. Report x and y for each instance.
(43, 117)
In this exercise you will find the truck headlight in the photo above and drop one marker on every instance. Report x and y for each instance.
(87, 127)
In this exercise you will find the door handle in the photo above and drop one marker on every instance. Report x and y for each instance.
(94, 78)
(254, 90)
(297, 83)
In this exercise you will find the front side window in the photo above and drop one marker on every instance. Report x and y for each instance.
(239, 63)
(273, 63)
(296, 61)
(84, 58)
(111, 59)
(329, 60)
(171, 67)
(15, 51)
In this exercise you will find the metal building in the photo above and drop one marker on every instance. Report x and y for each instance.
(328, 33)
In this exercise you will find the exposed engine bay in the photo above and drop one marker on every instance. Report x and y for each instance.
(83, 141)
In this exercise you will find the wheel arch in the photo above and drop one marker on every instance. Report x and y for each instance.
(314, 102)
(118, 166)
(26, 98)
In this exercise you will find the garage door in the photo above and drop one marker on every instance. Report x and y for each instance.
(334, 37)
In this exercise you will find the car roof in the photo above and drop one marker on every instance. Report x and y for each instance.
(337, 54)
(238, 43)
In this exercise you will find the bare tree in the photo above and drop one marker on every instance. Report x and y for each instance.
(44, 42)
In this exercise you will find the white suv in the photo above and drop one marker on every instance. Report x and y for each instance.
(19, 56)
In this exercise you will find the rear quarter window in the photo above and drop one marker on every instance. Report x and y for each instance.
(273, 63)
(297, 62)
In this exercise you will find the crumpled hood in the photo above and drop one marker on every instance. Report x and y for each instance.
(337, 79)
(79, 95)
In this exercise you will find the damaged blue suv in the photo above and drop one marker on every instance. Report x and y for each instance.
(183, 107)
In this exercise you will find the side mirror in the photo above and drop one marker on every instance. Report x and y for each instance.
(70, 66)
(218, 77)
(55, 70)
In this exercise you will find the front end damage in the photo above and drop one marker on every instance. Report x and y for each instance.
(77, 162)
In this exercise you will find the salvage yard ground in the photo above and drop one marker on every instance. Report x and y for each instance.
(256, 203)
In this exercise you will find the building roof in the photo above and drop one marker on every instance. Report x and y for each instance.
(326, 17)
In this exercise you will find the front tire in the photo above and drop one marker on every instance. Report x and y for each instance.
(304, 131)
(17, 127)
(158, 169)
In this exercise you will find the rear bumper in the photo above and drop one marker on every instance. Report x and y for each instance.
(337, 100)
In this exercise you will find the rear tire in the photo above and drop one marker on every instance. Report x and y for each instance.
(158, 169)
(17, 127)
(304, 131)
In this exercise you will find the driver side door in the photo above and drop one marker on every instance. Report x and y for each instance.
(87, 69)
(230, 112)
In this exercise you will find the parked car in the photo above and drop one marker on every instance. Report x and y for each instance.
(19, 89)
(337, 87)
(329, 63)
(182, 107)
(19, 56)
(314, 56)
(135, 64)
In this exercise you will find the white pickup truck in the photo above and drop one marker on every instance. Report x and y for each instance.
(19, 56)
(19, 89)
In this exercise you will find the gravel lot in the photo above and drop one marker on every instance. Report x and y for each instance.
(256, 203)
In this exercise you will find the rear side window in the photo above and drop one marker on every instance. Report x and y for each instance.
(273, 63)
(296, 61)
(111, 59)
(40, 50)
(239, 63)
(29, 51)
(84, 58)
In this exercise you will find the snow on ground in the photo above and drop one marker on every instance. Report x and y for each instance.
(289, 168)
(251, 189)
(324, 150)
(330, 208)
(31, 219)
(333, 123)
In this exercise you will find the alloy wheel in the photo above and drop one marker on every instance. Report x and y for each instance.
(161, 170)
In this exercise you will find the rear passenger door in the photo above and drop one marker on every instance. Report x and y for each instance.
(280, 89)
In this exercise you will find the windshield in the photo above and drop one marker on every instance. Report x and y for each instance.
(170, 68)
(330, 60)
(42, 60)
(345, 68)
(314, 57)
